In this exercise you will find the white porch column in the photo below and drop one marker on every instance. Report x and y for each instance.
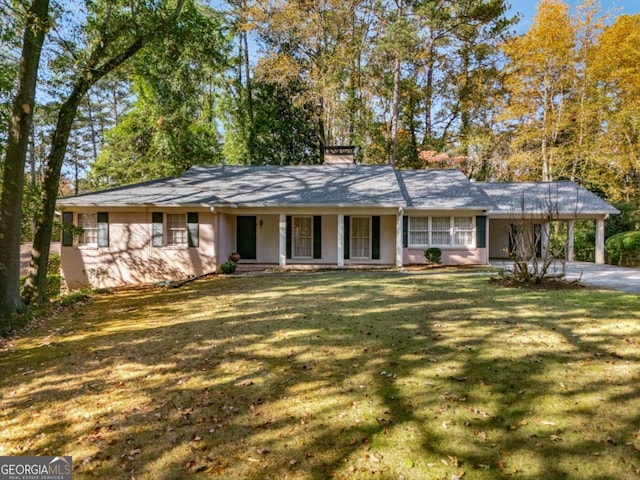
(600, 241)
(340, 240)
(570, 239)
(545, 238)
(282, 242)
(399, 223)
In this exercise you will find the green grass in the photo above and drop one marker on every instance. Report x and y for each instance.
(332, 375)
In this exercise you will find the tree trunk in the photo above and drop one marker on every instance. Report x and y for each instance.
(97, 67)
(395, 109)
(35, 287)
(15, 158)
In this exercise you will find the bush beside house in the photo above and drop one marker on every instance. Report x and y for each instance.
(624, 248)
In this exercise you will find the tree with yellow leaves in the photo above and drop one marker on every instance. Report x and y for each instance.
(540, 79)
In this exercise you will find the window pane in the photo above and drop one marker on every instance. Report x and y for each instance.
(419, 238)
(176, 229)
(89, 224)
(302, 237)
(463, 223)
(440, 223)
(463, 238)
(441, 238)
(419, 224)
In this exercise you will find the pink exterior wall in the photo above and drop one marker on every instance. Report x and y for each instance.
(130, 258)
(450, 256)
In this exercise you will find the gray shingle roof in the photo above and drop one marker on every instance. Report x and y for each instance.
(163, 192)
(567, 198)
(372, 185)
(271, 186)
(325, 185)
(445, 189)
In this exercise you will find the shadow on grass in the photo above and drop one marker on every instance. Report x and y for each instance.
(333, 375)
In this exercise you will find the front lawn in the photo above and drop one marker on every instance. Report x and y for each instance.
(346, 375)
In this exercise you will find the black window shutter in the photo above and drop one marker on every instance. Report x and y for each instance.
(193, 236)
(405, 231)
(67, 234)
(375, 237)
(347, 237)
(481, 231)
(157, 229)
(317, 236)
(288, 236)
(103, 229)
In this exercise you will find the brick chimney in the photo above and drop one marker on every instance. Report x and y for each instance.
(339, 155)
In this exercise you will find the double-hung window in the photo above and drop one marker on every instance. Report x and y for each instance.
(302, 237)
(441, 231)
(89, 224)
(176, 229)
(463, 229)
(419, 231)
(360, 237)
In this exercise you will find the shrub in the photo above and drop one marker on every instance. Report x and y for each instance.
(54, 284)
(433, 255)
(624, 248)
(227, 267)
(53, 265)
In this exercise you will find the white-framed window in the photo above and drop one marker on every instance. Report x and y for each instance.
(302, 237)
(463, 230)
(176, 229)
(441, 231)
(89, 224)
(419, 231)
(360, 237)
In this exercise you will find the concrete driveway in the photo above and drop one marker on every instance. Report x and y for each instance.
(601, 276)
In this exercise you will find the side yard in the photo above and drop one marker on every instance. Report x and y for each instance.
(346, 375)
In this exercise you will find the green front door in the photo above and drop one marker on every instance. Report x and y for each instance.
(246, 237)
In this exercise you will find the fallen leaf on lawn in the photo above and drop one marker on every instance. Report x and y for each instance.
(183, 380)
(481, 434)
(555, 438)
(548, 422)
(244, 383)
(135, 451)
(454, 460)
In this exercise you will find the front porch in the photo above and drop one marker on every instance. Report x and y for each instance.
(304, 239)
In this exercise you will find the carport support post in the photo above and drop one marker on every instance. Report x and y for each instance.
(282, 241)
(340, 262)
(399, 237)
(600, 241)
(570, 238)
